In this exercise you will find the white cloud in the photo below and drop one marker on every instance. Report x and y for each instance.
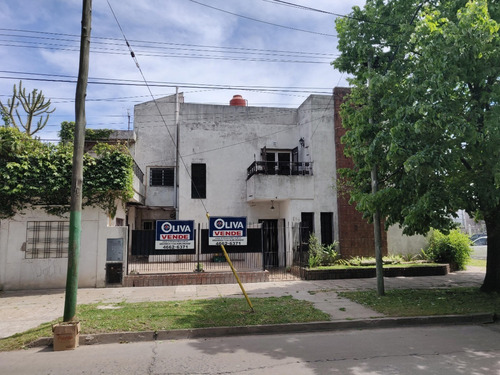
(180, 23)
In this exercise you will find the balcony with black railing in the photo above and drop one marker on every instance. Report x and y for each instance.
(279, 181)
(282, 168)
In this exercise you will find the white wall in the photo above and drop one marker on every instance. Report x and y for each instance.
(155, 147)
(17, 272)
(400, 244)
(228, 139)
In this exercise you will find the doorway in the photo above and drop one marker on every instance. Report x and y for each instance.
(270, 243)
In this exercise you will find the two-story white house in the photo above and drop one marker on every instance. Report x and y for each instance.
(275, 166)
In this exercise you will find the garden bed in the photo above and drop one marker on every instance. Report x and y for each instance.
(368, 272)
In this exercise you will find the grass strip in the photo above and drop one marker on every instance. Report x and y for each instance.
(155, 316)
(421, 302)
(477, 262)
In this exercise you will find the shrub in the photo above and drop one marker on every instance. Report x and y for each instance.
(315, 252)
(321, 255)
(453, 248)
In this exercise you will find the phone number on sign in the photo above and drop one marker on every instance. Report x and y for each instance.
(227, 243)
(174, 247)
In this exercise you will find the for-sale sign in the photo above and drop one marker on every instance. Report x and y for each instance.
(230, 231)
(174, 234)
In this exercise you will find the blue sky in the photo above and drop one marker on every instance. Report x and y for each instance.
(184, 43)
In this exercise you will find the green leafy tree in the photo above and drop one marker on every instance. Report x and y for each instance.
(433, 100)
(35, 108)
(67, 133)
(38, 174)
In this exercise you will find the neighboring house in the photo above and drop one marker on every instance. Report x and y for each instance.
(34, 245)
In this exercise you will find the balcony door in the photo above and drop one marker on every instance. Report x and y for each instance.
(284, 163)
(278, 161)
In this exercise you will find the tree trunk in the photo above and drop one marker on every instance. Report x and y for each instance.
(491, 281)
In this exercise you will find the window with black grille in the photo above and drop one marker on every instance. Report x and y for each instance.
(161, 177)
(47, 239)
(198, 181)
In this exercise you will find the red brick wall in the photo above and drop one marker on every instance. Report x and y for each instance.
(355, 234)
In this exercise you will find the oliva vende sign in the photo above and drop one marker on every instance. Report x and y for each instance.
(174, 234)
(230, 231)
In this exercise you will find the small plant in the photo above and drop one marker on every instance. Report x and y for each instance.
(411, 257)
(330, 253)
(199, 267)
(315, 252)
(453, 248)
(343, 262)
(393, 259)
(321, 255)
(358, 261)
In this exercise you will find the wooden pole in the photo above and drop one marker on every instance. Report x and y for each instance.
(75, 221)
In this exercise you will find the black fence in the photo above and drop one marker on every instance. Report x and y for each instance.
(266, 249)
(144, 258)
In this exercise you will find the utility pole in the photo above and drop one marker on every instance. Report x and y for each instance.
(75, 221)
(177, 154)
(376, 215)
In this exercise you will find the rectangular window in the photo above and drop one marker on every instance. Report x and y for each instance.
(326, 228)
(198, 181)
(47, 239)
(161, 177)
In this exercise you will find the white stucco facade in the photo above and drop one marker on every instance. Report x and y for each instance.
(298, 142)
(18, 270)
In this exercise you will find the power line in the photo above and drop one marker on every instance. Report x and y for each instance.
(130, 82)
(265, 22)
(303, 7)
(171, 55)
(162, 45)
(158, 108)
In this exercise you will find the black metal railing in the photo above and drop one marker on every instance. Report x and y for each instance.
(258, 255)
(138, 172)
(284, 168)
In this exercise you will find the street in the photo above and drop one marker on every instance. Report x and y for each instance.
(470, 349)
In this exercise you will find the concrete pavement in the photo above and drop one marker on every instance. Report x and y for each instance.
(22, 310)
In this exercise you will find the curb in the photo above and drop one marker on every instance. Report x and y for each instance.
(179, 334)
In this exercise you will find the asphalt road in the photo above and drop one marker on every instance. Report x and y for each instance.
(469, 349)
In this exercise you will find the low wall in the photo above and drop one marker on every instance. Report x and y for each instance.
(353, 273)
(194, 278)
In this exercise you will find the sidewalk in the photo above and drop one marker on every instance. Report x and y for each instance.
(22, 310)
